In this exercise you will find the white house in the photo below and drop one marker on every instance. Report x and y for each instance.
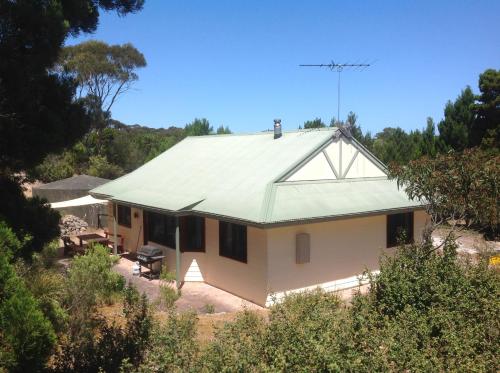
(265, 213)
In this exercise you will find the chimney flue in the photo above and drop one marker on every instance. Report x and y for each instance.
(277, 128)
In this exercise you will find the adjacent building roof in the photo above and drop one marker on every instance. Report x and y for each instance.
(78, 182)
(243, 177)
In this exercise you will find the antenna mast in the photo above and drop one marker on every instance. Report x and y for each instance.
(339, 67)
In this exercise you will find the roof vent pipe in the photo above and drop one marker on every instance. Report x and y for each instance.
(277, 128)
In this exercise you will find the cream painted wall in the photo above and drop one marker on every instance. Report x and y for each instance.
(339, 249)
(247, 280)
(133, 237)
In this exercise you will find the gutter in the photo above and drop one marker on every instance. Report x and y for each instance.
(263, 224)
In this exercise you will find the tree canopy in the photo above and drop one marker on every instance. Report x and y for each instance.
(198, 127)
(39, 114)
(315, 123)
(103, 72)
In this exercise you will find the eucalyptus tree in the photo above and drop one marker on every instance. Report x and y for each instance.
(103, 72)
(38, 111)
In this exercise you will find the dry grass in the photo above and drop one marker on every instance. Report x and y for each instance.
(207, 323)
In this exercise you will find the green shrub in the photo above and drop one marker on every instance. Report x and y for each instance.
(303, 333)
(34, 223)
(91, 282)
(168, 293)
(209, 308)
(48, 287)
(173, 347)
(26, 336)
(108, 347)
(237, 346)
(55, 167)
(100, 166)
(427, 310)
(430, 311)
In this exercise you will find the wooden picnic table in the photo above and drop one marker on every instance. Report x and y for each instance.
(92, 238)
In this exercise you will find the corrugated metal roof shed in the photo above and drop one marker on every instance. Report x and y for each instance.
(236, 176)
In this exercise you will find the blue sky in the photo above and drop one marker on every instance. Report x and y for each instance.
(236, 63)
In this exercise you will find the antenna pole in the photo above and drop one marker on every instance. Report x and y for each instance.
(339, 67)
(338, 96)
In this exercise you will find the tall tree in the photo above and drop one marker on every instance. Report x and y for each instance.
(221, 130)
(38, 113)
(487, 110)
(103, 72)
(316, 123)
(429, 139)
(198, 127)
(458, 121)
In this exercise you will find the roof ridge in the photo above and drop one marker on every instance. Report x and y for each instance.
(264, 132)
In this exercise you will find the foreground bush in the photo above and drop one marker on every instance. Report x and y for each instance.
(173, 346)
(108, 347)
(427, 311)
(26, 336)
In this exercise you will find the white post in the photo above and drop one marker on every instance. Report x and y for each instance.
(115, 244)
(177, 255)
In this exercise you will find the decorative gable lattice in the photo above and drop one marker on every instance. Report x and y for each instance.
(341, 159)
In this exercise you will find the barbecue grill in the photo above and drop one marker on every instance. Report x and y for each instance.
(148, 255)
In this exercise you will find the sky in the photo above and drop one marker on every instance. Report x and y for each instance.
(236, 63)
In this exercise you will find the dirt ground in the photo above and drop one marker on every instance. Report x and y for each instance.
(469, 242)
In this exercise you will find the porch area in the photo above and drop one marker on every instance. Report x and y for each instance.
(194, 295)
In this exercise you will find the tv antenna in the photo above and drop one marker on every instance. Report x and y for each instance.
(339, 67)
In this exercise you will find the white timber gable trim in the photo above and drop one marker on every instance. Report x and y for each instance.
(340, 159)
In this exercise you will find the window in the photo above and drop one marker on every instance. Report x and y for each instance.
(192, 229)
(233, 241)
(161, 229)
(398, 224)
(124, 216)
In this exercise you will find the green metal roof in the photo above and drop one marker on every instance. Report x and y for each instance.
(236, 176)
(314, 200)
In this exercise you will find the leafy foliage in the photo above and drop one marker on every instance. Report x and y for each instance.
(221, 130)
(115, 150)
(37, 112)
(173, 347)
(168, 291)
(486, 130)
(456, 186)
(316, 123)
(199, 127)
(102, 72)
(471, 120)
(237, 346)
(26, 336)
(427, 310)
(109, 347)
(33, 222)
(458, 121)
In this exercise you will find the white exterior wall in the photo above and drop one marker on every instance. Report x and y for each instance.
(339, 251)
